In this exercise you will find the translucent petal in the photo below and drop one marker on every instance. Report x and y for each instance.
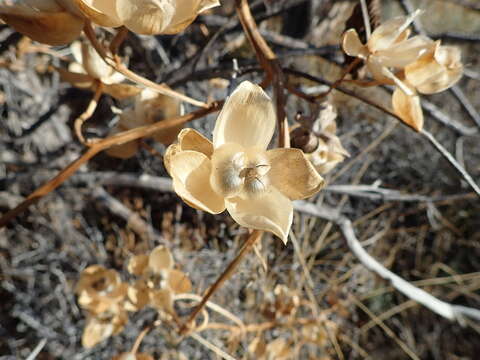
(352, 45)
(271, 212)
(179, 282)
(121, 91)
(95, 332)
(405, 52)
(55, 29)
(146, 17)
(28, 7)
(247, 118)
(101, 12)
(292, 174)
(162, 299)
(186, 12)
(408, 108)
(79, 80)
(190, 171)
(138, 296)
(389, 32)
(160, 259)
(93, 63)
(190, 139)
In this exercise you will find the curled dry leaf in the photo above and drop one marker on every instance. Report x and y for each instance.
(149, 107)
(236, 172)
(321, 145)
(45, 21)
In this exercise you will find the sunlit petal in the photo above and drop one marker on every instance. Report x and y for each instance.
(271, 212)
(160, 259)
(352, 45)
(247, 118)
(146, 17)
(292, 174)
(190, 171)
(190, 139)
(408, 108)
(405, 52)
(179, 282)
(101, 12)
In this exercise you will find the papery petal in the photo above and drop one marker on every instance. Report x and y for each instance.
(405, 52)
(171, 151)
(190, 171)
(292, 174)
(160, 259)
(101, 12)
(28, 7)
(146, 17)
(138, 297)
(271, 212)
(389, 32)
(179, 282)
(190, 139)
(186, 12)
(162, 300)
(137, 264)
(247, 118)
(352, 46)
(376, 68)
(123, 151)
(95, 332)
(93, 63)
(55, 29)
(408, 108)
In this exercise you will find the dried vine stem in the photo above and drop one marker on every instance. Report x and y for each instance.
(117, 139)
(269, 62)
(254, 237)
(88, 113)
(116, 63)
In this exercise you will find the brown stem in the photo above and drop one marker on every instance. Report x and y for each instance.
(227, 273)
(339, 80)
(88, 113)
(117, 139)
(119, 38)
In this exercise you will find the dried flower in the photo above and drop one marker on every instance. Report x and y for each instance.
(146, 17)
(388, 47)
(102, 325)
(283, 302)
(133, 356)
(237, 172)
(89, 68)
(99, 288)
(149, 107)
(158, 282)
(277, 349)
(46, 21)
(320, 144)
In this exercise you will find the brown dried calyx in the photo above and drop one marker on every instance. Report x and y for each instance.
(319, 141)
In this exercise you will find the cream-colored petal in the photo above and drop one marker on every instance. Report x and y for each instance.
(162, 300)
(171, 151)
(292, 174)
(160, 259)
(101, 12)
(55, 29)
(247, 118)
(271, 212)
(186, 12)
(138, 297)
(408, 108)
(28, 8)
(95, 332)
(190, 171)
(191, 139)
(179, 282)
(389, 32)
(93, 63)
(376, 68)
(405, 52)
(137, 264)
(146, 17)
(352, 45)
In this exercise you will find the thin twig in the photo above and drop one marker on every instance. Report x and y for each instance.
(88, 113)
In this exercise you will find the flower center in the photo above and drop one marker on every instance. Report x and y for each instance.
(239, 172)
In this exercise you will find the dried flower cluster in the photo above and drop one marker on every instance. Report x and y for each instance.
(319, 141)
(416, 64)
(58, 22)
(237, 172)
(108, 300)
